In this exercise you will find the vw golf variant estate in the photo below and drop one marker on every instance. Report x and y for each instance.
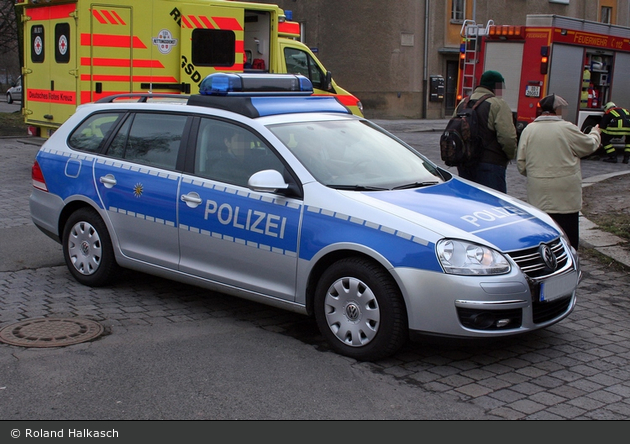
(257, 188)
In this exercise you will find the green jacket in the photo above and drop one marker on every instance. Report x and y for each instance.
(500, 137)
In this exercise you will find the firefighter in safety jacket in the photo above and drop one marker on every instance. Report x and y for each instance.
(615, 124)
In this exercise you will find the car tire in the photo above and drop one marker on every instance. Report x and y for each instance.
(87, 249)
(9, 98)
(360, 311)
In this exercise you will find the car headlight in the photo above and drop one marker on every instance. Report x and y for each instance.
(466, 258)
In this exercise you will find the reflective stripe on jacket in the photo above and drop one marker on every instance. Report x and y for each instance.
(616, 122)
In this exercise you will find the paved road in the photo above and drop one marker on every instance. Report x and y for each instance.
(177, 352)
(6, 107)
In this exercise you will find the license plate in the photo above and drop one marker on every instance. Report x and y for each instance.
(532, 91)
(557, 287)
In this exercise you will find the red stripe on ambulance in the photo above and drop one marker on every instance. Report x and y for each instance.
(228, 23)
(111, 41)
(44, 95)
(51, 12)
(121, 63)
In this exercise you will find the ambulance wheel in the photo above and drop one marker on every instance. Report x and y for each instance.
(9, 98)
(359, 310)
(87, 249)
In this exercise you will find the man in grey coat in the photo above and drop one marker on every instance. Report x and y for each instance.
(549, 153)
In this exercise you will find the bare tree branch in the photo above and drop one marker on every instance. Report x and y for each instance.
(8, 27)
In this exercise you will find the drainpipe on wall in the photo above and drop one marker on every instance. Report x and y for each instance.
(426, 59)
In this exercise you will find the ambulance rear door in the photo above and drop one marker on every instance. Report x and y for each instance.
(211, 41)
(50, 59)
(107, 52)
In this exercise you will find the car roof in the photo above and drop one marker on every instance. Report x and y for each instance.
(250, 95)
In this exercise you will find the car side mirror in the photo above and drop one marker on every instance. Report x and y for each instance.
(267, 181)
(329, 86)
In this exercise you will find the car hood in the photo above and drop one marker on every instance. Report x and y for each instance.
(455, 206)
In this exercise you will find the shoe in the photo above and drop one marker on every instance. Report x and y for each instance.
(626, 158)
(612, 158)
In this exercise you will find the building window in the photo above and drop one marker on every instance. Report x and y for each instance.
(458, 11)
(606, 14)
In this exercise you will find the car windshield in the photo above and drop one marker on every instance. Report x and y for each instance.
(353, 154)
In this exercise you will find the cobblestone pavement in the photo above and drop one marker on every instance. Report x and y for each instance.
(576, 369)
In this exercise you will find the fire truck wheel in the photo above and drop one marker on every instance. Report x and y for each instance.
(87, 249)
(359, 310)
(588, 125)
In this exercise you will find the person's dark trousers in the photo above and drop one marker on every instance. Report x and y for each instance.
(570, 223)
(487, 174)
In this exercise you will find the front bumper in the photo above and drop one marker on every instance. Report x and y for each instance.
(486, 306)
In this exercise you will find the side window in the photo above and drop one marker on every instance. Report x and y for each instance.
(213, 47)
(300, 62)
(230, 153)
(93, 132)
(151, 139)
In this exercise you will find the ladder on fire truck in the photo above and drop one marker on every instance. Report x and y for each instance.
(469, 51)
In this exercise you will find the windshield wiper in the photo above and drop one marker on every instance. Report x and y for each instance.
(357, 188)
(416, 185)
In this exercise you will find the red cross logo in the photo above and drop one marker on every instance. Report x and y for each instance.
(38, 45)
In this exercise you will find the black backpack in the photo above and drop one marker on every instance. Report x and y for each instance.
(460, 143)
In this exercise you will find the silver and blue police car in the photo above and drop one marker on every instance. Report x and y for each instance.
(258, 189)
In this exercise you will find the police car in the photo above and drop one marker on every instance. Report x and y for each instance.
(258, 189)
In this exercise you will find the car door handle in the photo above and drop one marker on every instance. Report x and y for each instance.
(192, 199)
(108, 180)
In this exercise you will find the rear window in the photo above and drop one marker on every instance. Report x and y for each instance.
(150, 138)
(93, 132)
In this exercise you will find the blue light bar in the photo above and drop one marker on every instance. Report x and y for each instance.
(251, 84)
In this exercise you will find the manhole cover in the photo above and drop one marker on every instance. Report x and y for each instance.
(50, 332)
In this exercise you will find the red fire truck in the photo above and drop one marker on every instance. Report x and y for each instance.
(585, 62)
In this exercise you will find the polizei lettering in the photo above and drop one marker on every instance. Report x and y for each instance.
(246, 219)
(492, 214)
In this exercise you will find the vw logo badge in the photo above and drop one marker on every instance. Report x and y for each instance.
(352, 312)
(548, 257)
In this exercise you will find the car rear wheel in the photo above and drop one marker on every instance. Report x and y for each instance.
(87, 249)
(360, 311)
(9, 98)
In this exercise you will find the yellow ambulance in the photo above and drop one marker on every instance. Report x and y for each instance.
(80, 51)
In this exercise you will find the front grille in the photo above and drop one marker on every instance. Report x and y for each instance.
(531, 262)
(546, 311)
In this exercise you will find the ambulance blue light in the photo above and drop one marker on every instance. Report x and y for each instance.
(249, 84)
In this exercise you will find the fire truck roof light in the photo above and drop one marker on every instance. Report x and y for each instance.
(506, 31)
(251, 84)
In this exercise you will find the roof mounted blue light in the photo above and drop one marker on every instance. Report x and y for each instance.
(251, 84)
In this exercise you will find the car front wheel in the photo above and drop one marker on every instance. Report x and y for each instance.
(87, 249)
(360, 311)
(9, 98)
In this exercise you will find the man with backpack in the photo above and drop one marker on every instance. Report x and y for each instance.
(495, 132)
